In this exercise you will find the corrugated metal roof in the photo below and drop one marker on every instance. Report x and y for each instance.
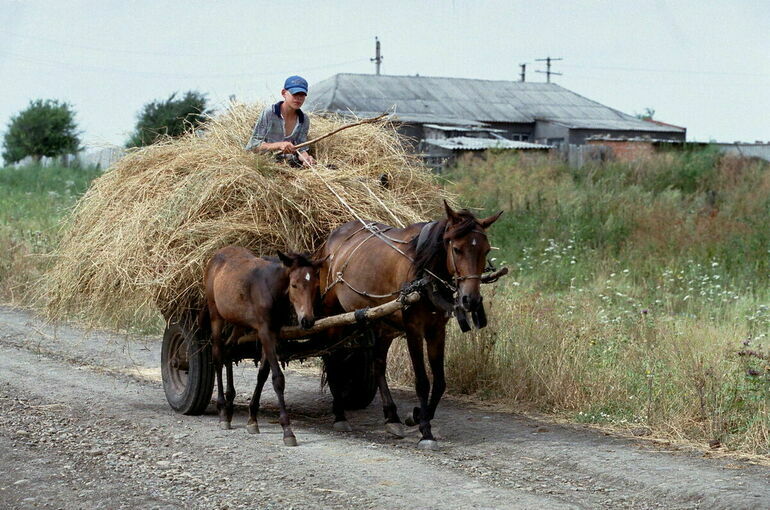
(444, 127)
(468, 143)
(457, 100)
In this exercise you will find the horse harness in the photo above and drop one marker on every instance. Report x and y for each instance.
(422, 237)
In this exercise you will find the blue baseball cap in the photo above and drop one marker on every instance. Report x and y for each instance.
(295, 84)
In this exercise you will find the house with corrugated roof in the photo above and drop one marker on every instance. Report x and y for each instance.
(444, 115)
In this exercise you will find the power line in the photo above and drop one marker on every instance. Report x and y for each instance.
(154, 74)
(677, 71)
(287, 51)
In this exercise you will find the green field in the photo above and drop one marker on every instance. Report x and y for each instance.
(33, 201)
(638, 296)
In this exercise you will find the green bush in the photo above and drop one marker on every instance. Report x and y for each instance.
(45, 128)
(169, 117)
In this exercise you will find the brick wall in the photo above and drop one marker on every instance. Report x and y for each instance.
(627, 150)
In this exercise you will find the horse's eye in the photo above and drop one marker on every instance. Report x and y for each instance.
(456, 249)
(293, 285)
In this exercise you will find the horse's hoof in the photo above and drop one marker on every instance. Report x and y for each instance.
(252, 428)
(395, 429)
(427, 444)
(224, 425)
(342, 426)
(409, 421)
(290, 441)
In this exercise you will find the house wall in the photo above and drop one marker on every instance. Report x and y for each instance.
(413, 133)
(551, 133)
(626, 150)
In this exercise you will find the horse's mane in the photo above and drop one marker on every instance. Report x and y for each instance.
(432, 253)
(303, 259)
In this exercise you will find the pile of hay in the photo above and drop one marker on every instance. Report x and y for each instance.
(141, 236)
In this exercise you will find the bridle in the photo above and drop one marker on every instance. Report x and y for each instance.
(457, 279)
(375, 231)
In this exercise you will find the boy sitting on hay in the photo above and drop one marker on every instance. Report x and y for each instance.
(284, 125)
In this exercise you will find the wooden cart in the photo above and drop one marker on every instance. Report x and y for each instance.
(187, 369)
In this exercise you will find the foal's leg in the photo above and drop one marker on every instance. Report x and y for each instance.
(230, 391)
(264, 368)
(422, 386)
(279, 383)
(216, 352)
(392, 421)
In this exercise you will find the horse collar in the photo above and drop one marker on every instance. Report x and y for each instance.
(424, 235)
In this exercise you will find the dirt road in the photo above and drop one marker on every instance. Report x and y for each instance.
(84, 424)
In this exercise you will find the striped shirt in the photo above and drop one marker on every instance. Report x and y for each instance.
(270, 128)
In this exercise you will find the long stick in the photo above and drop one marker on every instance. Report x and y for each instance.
(314, 140)
(344, 319)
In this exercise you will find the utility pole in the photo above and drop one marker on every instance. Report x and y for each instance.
(523, 71)
(378, 58)
(548, 71)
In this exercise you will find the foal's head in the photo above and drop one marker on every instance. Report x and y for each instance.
(303, 285)
(467, 247)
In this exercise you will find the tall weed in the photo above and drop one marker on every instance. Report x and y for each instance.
(33, 201)
(638, 294)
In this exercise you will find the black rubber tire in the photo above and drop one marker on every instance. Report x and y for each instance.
(362, 385)
(189, 390)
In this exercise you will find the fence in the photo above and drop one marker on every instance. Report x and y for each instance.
(101, 158)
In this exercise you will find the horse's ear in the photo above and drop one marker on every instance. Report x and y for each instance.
(486, 222)
(318, 263)
(450, 213)
(285, 259)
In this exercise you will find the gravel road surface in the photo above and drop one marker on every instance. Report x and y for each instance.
(84, 424)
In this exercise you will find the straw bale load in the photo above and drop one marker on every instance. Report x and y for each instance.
(140, 237)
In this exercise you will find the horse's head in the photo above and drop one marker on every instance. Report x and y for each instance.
(466, 244)
(303, 285)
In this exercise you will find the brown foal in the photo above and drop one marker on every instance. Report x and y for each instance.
(253, 293)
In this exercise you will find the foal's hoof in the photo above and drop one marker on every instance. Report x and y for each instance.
(252, 428)
(409, 421)
(427, 444)
(290, 441)
(395, 429)
(342, 426)
(224, 425)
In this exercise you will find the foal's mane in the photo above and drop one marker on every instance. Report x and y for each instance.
(432, 253)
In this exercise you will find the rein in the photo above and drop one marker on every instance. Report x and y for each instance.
(380, 234)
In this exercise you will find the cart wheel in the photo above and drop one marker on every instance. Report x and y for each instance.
(362, 385)
(186, 369)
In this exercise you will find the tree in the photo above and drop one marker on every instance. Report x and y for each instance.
(45, 128)
(170, 117)
(648, 114)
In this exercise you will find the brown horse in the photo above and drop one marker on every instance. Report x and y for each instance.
(253, 293)
(364, 268)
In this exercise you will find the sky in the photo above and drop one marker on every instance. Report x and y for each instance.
(704, 65)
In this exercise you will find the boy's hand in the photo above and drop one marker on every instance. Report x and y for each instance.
(285, 147)
(306, 158)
